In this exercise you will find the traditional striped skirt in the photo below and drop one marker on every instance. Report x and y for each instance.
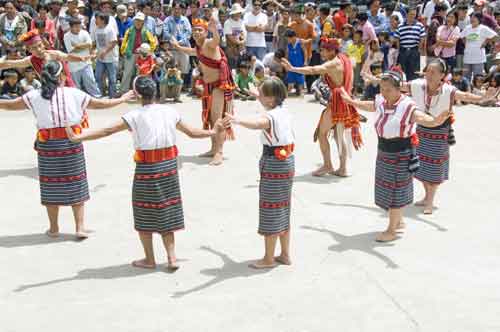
(393, 180)
(63, 176)
(434, 154)
(156, 197)
(275, 193)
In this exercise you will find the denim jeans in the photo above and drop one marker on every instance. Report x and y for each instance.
(85, 80)
(259, 52)
(110, 68)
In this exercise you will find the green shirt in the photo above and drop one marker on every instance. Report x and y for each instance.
(244, 82)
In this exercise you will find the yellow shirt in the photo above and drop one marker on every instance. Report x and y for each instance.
(356, 52)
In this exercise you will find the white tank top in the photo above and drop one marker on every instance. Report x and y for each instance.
(434, 105)
(281, 131)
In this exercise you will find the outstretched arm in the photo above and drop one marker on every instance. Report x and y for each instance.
(188, 50)
(13, 105)
(90, 135)
(367, 106)
(255, 124)
(109, 103)
(23, 63)
(426, 120)
(215, 40)
(196, 132)
(61, 56)
(468, 97)
(307, 70)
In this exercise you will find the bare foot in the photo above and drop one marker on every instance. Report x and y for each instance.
(401, 225)
(340, 173)
(262, 264)
(208, 154)
(51, 234)
(386, 237)
(172, 266)
(428, 210)
(323, 170)
(81, 235)
(217, 160)
(144, 264)
(421, 203)
(285, 260)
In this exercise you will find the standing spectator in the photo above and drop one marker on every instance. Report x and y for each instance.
(429, 9)
(446, 41)
(341, 17)
(367, 28)
(106, 44)
(82, 9)
(134, 37)
(178, 27)
(26, 8)
(48, 39)
(194, 9)
(70, 13)
(462, 23)
(325, 20)
(122, 21)
(43, 11)
(375, 17)
(394, 25)
(105, 6)
(411, 37)
(311, 16)
(389, 11)
(346, 39)
(355, 52)
(373, 55)
(78, 41)
(437, 20)
(486, 19)
(304, 30)
(146, 8)
(272, 21)
(255, 25)
(279, 38)
(235, 33)
(476, 37)
(12, 25)
(296, 56)
(159, 18)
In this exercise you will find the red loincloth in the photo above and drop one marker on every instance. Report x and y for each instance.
(225, 83)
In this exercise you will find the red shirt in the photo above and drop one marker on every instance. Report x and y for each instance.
(340, 19)
(145, 65)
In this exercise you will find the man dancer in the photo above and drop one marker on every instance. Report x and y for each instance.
(342, 118)
(218, 83)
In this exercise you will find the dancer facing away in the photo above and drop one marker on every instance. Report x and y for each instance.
(156, 194)
(61, 163)
(40, 56)
(339, 116)
(396, 116)
(277, 169)
(433, 96)
(218, 85)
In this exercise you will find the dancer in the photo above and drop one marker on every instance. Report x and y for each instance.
(342, 118)
(156, 194)
(217, 99)
(61, 163)
(433, 96)
(40, 56)
(277, 169)
(396, 115)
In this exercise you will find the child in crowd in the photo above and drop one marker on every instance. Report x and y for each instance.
(321, 91)
(492, 93)
(11, 89)
(171, 82)
(477, 84)
(279, 36)
(145, 62)
(385, 46)
(355, 51)
(374, 55)
(346, 40)
(244, 82)
(260, 76)
(296, 56)
(29, 82)
(197, 81)
(272, 62)
(11, 54)
(459, 81)
(392, 55)
(372, 81)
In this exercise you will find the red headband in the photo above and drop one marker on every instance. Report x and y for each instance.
(329, 43)
(31, 37)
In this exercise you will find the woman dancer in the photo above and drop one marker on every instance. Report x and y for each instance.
(396, 115)
(277, 169)
(61, 163)
(156, 194)
(433, 96)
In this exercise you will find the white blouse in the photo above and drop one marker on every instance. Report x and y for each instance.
(153, 126)
(281, 131)
(433, 105)
(66, 107)
(394, 122)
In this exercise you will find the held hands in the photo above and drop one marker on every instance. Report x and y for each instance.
(72, 136)
(128, 96)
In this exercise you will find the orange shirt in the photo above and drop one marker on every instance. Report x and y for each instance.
(304, 30)
(145, 65)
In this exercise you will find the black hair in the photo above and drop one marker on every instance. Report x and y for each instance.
(391, 6)
(457, 71)
(324, 8)
(290, 33)
(369, 3)
(274, 87)
(29, 70)
(39, 23)
(479, 16)
(345, 5)
(10, 73)
(362, 17)
(477, 78)
(496, 13)
(462, 6)
(376, 65)
(50, 78)
(180, 3)
(358, 32)
(103, 16)
(74, 21)
(44, 7)
(244, 64)
(145, 87)
(496, 78)
(280, 53)
(171, 63)
(384, 34)
(440, 7)
(393, 77)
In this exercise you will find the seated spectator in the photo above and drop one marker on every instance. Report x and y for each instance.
(392, 55)
(478, 85)
(372, 81)
(492, 93)
(48, 38)
(11, 88)
(321, 91)
(459, 81)
(260, 76)
(296, 55)
(29, 82)
(244, 82)
(171, 82)
(145, 61)
(273, 66)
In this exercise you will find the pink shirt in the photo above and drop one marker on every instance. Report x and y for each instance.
(445, 33)
(368, 34)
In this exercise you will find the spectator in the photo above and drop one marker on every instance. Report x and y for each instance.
(446, 41)
(160, 18)
(272, 62)
(12, 25)
(106, 44)
(134, 37)
(70, 13)
(486, 19)
(171, 82)
(146, 8)
(355, 51)
(392, 56)
(78, 41)
(372, 79)
(296, 55)
(255, 25)
(48, 39)
(194, 9)
(11, 89)
(492, 93)
(260, 76)
(29, 82)
(279, 38)
(105, 6)
(235, 33)
(304, 31)
(346, 40)
(429, 9)
(367, 28)
(341, 17)
(325, 20)
(411, 37)
(374, 55)
(50, 30)
(82, 8)
(377, 19)
(394, 25)
(478, 84)
(438, 19)
(385, 46)
(145, 62)
(389, 12)
(272, 21)
(460, 82)
(178, 27)
(311, 16)
(123, 22)
(476, 36)
(244, 82)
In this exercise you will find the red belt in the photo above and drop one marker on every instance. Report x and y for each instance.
(154, 156)
(56, 133)
(280, 152)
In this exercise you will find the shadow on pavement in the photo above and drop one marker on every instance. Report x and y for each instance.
(108, 272)
(193, 160)
(31, 173)
(364, 242)
(410, 211)
(308, 177)
(26, 240)
(229, 270)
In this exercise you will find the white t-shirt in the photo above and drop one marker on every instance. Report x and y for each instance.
(112, 24)
(102, 38)
(66, 107)
(153, 126)
(429, 10)
(70, 40)
(281, 131)
(234, 28)
(255, 39)
(474, 38)
(442, 102)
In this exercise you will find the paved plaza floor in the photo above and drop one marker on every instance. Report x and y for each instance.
(443, 275)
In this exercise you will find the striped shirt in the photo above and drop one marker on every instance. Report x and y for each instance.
(410, 35)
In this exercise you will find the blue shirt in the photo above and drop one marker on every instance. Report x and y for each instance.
(150, 24)
(378, 21)
(178, 28)
(123, 26)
